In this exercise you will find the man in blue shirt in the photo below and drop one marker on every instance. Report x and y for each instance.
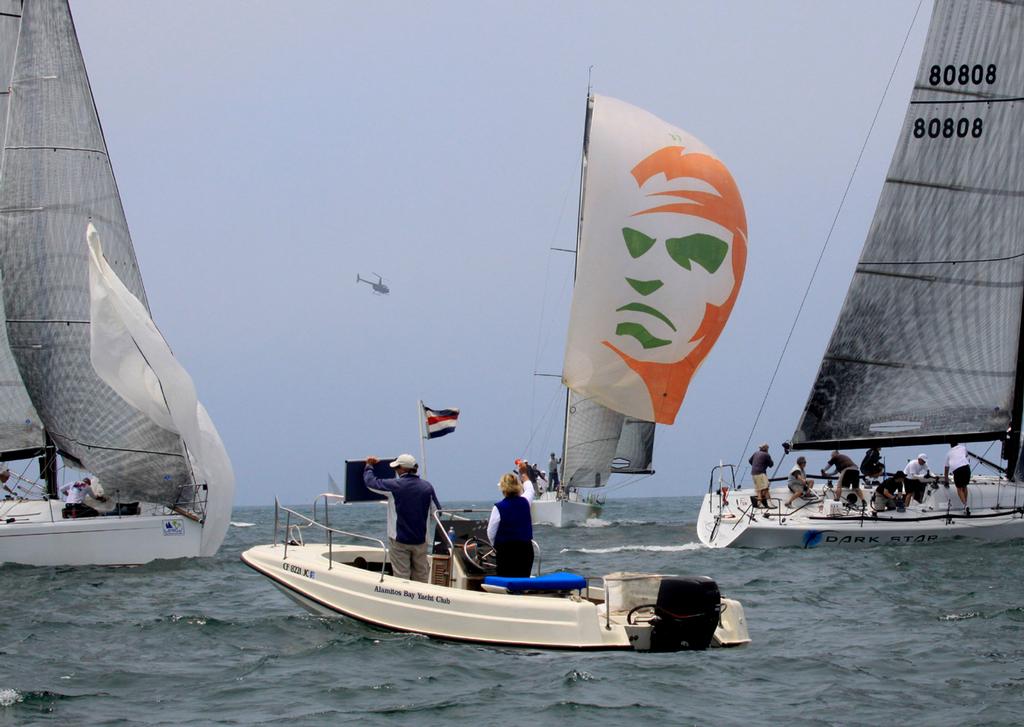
(411, 502)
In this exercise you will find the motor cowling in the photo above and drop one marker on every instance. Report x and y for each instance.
(686, 614)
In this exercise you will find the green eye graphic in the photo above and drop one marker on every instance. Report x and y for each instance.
(705, 250)
(636, 242)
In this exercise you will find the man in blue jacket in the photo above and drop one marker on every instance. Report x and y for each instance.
(411, 502)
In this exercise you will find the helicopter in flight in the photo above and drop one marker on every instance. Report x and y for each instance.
(379, 288)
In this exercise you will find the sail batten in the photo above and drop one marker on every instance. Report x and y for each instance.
(921, 339)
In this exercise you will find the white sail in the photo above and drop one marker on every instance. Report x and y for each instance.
(661, 257)
(131, 356)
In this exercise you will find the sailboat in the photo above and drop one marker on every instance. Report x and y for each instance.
(928, 346)
(88, 382)
(661, 250)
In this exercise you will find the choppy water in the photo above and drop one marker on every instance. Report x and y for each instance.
(919, 635)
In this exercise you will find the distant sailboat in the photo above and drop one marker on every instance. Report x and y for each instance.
(86, 373)
(661, 250)
(928, 346)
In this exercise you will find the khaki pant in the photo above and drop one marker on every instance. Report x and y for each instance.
(760, 482)
(409, 559)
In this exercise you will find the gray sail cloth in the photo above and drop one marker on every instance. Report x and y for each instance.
(926, 344)
(599, 441)
(634, 453)
(56, 178)
(20, 427)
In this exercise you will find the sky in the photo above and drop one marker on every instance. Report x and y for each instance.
(269, 152)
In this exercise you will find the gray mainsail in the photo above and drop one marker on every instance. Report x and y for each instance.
(56, 178)
(635, 451)
(20, 428)
(926, 346)
(599, 441)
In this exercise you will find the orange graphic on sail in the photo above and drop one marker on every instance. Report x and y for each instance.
(667, 382)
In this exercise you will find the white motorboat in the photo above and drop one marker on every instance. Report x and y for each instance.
(86, 379)
(928, 347)
(660, 256)
(461, 602)
(730, 518)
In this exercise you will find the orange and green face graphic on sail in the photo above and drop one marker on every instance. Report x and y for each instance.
(695, 226)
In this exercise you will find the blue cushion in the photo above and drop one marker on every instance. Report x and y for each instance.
(548, 582)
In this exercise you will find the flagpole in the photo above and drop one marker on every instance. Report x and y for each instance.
(423, 438)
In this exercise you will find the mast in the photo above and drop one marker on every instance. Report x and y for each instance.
(1014, 434)
(576, 262)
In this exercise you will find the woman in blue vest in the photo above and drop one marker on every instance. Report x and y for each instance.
(510, 530)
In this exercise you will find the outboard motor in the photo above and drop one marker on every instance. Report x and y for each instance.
(686, 614)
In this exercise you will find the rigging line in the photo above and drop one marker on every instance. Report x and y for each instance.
(627, 483)
(543, 302)
(536, 427)
(828, 238)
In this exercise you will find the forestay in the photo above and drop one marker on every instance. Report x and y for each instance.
(661, 256)
(926, 346)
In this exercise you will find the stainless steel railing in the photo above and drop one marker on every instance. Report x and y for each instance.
(293, 534)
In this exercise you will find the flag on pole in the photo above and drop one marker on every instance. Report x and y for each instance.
(439, 421)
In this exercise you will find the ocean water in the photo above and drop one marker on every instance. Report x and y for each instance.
(912, 634)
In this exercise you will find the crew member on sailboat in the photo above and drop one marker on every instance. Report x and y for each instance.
(759, 462)
(956, 460)
(849, 475)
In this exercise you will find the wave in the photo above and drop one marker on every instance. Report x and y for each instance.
(959, 616)
(596, 522)
(9, 697)
(241, 524)
(648, 548)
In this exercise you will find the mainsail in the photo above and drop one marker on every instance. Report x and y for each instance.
(661, 253)
(926, 348)
(55, 181)
(600, 441)
(20, 427)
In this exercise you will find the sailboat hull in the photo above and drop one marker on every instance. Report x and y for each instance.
(32, 532)
(996, 514)
(547, 509)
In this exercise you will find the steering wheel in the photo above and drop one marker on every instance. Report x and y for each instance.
(480, 553)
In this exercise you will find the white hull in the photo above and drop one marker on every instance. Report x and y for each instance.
(547, 509)
(32, 532)
(995, 515)
(308, 577)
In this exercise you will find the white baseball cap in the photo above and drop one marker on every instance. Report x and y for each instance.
(923, 457)
(406, 461)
